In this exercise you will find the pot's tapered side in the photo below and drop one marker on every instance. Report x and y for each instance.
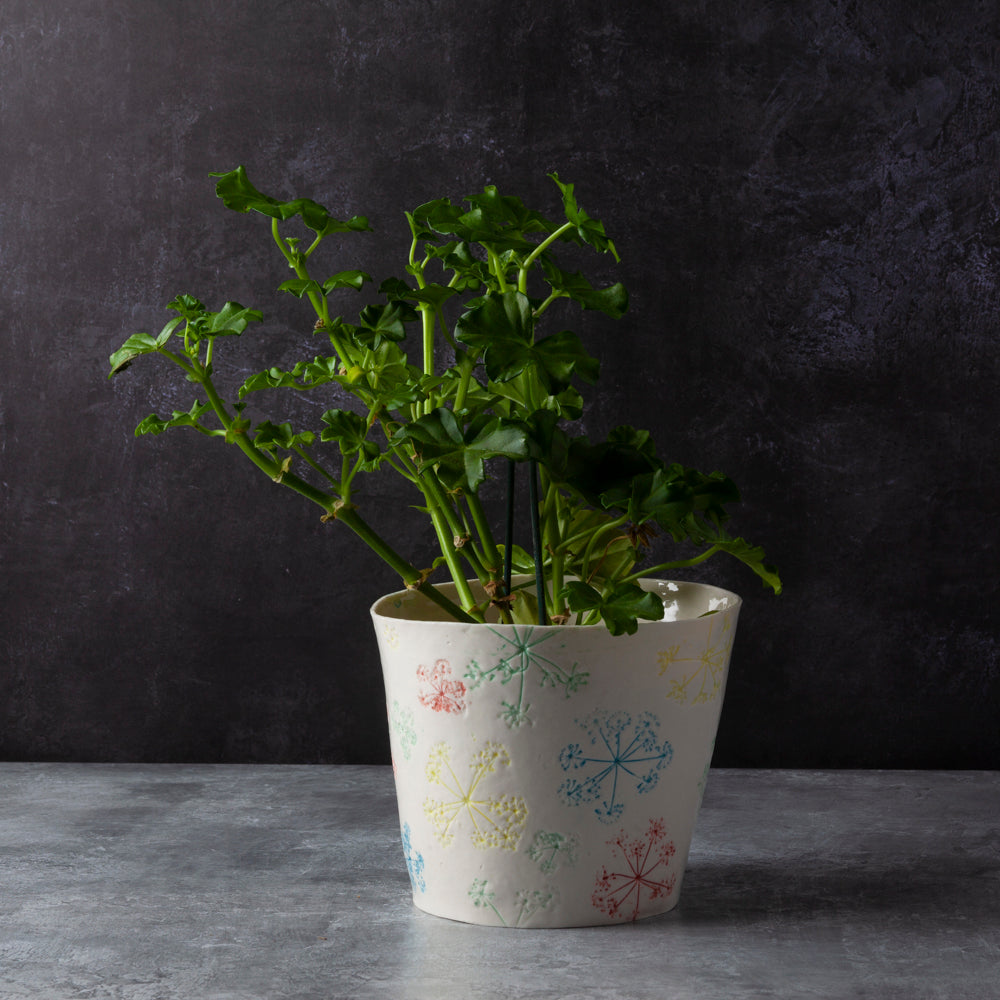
(550, 776)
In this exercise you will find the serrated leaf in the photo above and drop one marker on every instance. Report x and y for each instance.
(346, 279)
(438, 440)
(500, 328)
(301, 286)
(237, 193)
(620, 609)
(231, 319)
(191, 418)
(750, 555)
(586, 230)
(269, 435)
(350, 432)
(380, 323)
(612, 301)
(136, 345)
(507, 210)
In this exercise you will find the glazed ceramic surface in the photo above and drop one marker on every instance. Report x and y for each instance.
(550, 776)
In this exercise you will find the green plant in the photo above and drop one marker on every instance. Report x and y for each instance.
(481, 277)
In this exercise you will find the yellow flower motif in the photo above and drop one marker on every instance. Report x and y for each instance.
(703, 682)
(495, 821)
(391, 636)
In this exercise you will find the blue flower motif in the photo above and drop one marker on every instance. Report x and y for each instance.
(572, 756)
(414, 862)
(623, 751)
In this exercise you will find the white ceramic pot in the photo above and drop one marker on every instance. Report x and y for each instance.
(550, 776)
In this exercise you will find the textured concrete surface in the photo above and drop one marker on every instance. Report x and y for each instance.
(201, 882)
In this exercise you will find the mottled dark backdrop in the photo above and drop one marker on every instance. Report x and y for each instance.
(807, 203)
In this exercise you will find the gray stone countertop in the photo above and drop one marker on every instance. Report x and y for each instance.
(231, 882)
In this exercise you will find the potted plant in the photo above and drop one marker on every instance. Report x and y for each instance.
(552, 706)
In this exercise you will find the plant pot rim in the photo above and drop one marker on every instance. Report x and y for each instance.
(684, 600)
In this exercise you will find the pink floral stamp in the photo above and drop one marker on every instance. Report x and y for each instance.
(445, 694)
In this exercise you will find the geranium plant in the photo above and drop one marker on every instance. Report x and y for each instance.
(477, 286)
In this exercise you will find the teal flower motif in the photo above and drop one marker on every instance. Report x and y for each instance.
(519, 658)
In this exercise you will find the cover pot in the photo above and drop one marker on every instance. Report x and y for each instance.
(550, 776)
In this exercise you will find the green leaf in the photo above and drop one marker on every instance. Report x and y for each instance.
(561, 356)
(383, 322)
(346, 279)
(587, 230)
(613, 300)
(232, 318)
(155, 425)
(237, 193)
(433, 218)
(270, 436)
(604, 469)
(438, 440)
(506, 210)
(301, 286)
(620, 609)
(676, 498)
(497, 327)
(188, 306)
(567, 403)
(455, 256)
(350, 431)
(750, 555)
(432, 294)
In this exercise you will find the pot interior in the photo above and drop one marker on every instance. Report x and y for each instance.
(682, 601)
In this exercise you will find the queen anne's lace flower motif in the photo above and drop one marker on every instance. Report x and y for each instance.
(495, 820)
(521, 656)
(642, 875)
(445, 694)
(621, 752)
(527, 902)
(550, 851)
(401, 724)
(700, 681)
(414, 861)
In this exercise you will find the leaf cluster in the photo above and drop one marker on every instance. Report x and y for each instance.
(476, 287)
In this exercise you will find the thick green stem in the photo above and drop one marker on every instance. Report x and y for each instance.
(466, 364)
(522, 277)
(494, 561)
(676, 564)
(552, 531)
(437, 505)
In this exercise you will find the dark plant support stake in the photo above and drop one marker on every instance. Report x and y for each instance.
(536, 539)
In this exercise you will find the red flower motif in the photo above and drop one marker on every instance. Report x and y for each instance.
(445, 695)
(646, 875)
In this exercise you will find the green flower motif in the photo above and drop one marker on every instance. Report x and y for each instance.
(401, 721)
(527, 902)
(550, 851)
(521, 658)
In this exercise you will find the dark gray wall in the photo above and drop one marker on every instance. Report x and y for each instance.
(807, 204)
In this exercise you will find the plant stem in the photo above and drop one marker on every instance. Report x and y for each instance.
(553, 517)
(489, 545)
(508, 545)
(678, 564)
(436, 504)
(348, 515)
(522, 277)
(536, 540)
